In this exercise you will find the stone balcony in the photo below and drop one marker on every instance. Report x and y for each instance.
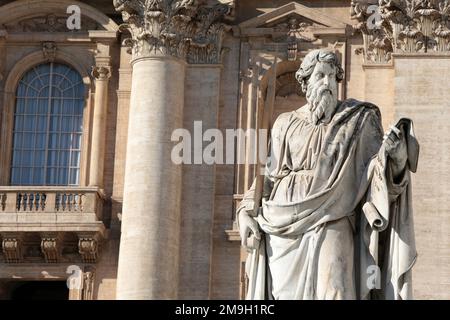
(51, 224)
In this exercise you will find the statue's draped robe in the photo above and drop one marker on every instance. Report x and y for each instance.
(331, 211)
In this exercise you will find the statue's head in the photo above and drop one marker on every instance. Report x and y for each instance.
(319, 76)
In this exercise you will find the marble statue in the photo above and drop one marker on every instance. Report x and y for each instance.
(335, 216)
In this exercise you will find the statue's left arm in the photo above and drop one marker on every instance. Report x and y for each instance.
(387, 222)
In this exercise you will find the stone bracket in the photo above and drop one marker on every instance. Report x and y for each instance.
(88, 247)
(12, 248)
(51, 247)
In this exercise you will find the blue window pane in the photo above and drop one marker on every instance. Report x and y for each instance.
(21, 90)
(27, 158)
(56, 92)
(78, 124)
(79, 90)
(52, 160)
(16, 158)
(41, 125)
(63, 159)
(65, 141)
(66, 124)
(67, 107)
(74, 176)
(38, 176)
(28, 123)
(20, 105)
(55, 123)
(17, 144)
(69, 93)
(79, 105)
(17, 141)
(39, 159)
(31, 93)
(15, 176)
(42, 106)
(29, 76)
(31, 120)
(63, 177)
(44, 92)
(41, 141)
(18, 124)
(26, 176)
(76, 141)
(75, 159)
(52, 176)
(54, 141)
(56, 106)
(28, 140)
(45, 79)
(35, 83)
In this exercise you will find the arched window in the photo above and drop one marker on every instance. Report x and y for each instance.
(48, 125)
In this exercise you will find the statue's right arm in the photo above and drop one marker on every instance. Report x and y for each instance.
(247, 223)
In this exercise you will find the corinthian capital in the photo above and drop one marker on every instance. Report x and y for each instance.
(402, 26)
(187, 29)
(101, 72)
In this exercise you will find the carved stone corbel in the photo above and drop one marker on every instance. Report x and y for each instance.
(49, 51)
(12, 249)
(88, 247)
(51, 247)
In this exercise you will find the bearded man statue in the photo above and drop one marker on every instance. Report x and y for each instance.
(335, 216)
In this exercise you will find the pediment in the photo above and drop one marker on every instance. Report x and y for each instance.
(51, 16)
(50, 23)
(289, 11)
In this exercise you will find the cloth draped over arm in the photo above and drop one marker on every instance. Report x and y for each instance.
(352, 172)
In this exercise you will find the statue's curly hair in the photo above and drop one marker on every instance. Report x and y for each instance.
(319, 55)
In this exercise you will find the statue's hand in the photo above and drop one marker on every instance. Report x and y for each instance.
(248, 226)
(394, 143)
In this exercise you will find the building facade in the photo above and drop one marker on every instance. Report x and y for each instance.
(92, 205)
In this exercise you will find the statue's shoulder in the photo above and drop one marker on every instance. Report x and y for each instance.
(282, 121)
(354, 105)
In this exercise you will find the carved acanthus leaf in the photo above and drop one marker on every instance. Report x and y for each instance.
(187, 29)
(395, 26)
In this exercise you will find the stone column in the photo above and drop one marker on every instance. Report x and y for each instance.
(101, 75)
(163, 39)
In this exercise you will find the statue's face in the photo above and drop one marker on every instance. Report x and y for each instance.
(322, 92)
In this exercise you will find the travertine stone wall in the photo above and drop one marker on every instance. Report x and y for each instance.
(379, 90)
(224, 281)
(422, 92)
(201, 104)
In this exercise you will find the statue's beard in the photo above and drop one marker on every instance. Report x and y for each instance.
(322, 103)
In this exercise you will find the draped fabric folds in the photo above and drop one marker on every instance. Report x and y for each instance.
(331, 213)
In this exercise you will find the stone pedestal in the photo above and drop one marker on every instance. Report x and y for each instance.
(148, 261)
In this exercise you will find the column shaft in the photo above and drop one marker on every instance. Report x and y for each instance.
(99, 127)
(149, 247)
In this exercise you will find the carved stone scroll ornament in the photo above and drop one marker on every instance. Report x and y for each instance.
(396, 26)
(50, 247)
(88, 249)
(12, 249)
(101, 72)
(295, 32)
(49, 51)
(49, 23)
(187, 29)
